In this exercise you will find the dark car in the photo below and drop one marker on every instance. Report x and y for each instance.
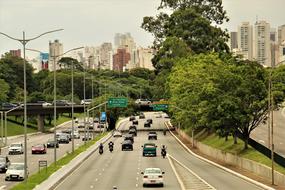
(141, 116)
(146, 124)
(100, 126)
(127, 145)
(51, 143)
(39, 149)
(7, 105)
(133, 132)
(129, 137)
(61, 103)
(149, 149)
(135, 122)
(152, 135)
(133, 127)
(132, 118)
(4, 163)
(149, 120)
(63, 138)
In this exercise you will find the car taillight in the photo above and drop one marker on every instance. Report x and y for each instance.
(160, 176)
(145, 176)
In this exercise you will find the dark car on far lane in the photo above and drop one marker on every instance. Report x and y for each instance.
(149, 120)
(51, 143)
(127, 145)
(132, 118)
(129, 137)
(152, 135)
(133, 132)
(147, 124)
(135, 122)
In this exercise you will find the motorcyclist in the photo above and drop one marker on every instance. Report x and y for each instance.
(163, 151)
(164, 131)
(111, 146)
(101, 148)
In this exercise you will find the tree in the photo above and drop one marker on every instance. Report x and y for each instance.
(66, 62)
(4, 90)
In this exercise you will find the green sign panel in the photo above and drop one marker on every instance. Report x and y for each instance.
(117, 102)
(159, 107)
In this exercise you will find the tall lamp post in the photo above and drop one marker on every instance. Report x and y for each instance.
(24, 42)
(54, 90)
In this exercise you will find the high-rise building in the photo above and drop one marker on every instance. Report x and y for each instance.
(274, 47)
(144, 56)
(106, 53)
(281, 34)
(234, 41)
(245, 40)
(262, 47)
(282, 53)
(121, 59)
(55, 50)
(16, 53)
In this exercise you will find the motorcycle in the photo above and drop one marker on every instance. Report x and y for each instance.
(100, 150)
(164, 132)
(163, 153)
(111, 148)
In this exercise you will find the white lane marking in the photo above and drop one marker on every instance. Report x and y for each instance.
(99, 173)
(91, 186)
(261, 141)
(176, 174)
(137, 185)
(103, 169)
(219, 166)
(3, 187)
(137, 178)
(283, 111)
(96, 179)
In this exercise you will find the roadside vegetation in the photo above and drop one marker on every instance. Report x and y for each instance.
(43, 174)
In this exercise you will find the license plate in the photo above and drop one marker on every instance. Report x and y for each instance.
(14, 176)
(152, 181)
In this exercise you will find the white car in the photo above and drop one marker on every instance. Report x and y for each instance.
(152, 176)
(117, 134)
(86, 102)
(46, 104)
(76, 135)
(15, 172)
(142, 102)
(16, 148)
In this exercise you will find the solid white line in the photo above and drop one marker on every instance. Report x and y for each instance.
(3, 186)
(176, 174)
(193, 173)
(219, 166)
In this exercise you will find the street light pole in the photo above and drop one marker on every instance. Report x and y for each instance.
(24, 41)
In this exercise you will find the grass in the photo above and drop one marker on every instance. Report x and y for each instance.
(42, 175)
(238, 149)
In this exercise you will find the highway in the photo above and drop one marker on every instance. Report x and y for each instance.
(122, 168)
(33, 159)
(260, 134)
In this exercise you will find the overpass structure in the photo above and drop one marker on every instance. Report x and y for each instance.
(40, 112)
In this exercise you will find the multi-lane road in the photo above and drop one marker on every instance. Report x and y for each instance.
(34, 159)
(123, 168)
(260, 134)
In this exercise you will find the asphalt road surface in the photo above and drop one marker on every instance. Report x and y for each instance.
(34, 159)
(260, 134)
(122, 168)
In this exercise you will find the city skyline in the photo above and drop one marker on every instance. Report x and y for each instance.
(91, 23)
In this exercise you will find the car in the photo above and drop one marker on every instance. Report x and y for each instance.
(4, 163)
(76, 135)
(96, 120)
(7, 105)
(141, 116)
(127, 145)
(44, 103)
(87, 137)
(61, 103)
(117, 134)
(152, 176)
(39, 149)
(149, 149)
(15, 172)
(132, 118)
(81, 125)
(86, 102)
(129, 137)
(133, 132)
(143, 102)
(152, 135)
(63, 138)
(149, 120)
(133, 127)
(147, 124)
(67, 131)
(101, 126)
(51, 143)
(135, 122)
(16, 148)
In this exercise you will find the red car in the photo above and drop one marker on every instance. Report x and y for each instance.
(39, 149)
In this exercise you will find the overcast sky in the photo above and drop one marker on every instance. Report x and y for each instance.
(92, 22)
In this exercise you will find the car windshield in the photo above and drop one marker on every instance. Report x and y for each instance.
(15, 145)
(39, 146)
(152, 171)
(149, 145)
(16, 167)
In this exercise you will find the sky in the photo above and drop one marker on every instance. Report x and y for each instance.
(92, 22)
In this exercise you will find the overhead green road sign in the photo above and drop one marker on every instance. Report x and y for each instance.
(117, 102)
(159, 107)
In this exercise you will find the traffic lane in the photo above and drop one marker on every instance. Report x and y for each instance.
(120, 168)
(260, 134)
(215, 176)
(34, 158)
